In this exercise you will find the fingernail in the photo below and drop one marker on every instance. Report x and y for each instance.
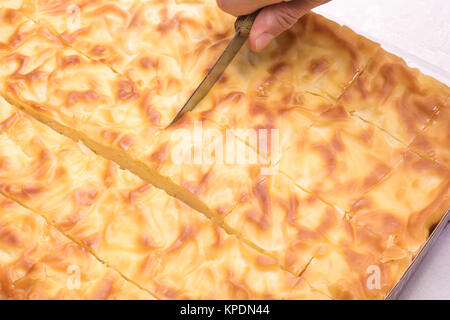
(263, 40)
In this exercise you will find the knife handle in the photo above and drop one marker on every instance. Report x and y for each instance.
(244, 23)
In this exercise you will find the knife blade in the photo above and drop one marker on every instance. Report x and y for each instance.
(243, 25)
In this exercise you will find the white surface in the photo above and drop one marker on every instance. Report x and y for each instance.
(419, 31)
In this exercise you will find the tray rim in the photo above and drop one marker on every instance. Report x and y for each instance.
(395, 292)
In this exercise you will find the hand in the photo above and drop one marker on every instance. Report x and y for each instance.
(276, 17)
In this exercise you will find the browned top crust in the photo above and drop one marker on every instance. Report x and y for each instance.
(360, 179)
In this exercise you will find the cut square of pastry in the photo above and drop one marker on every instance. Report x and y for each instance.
(287, 222)
(339, 158)
(396, 98)
(434, 141)
(407, 205)
(34, 163)
(38, 262)
(355, 262)
(348, 272)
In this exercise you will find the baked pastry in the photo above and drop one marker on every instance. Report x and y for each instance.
(163, 46)
(114, 117)
(153, 239)
(334, 101)
(39, 262)
(396, 98)
(432, 142)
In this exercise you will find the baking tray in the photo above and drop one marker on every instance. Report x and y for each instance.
(439, 74)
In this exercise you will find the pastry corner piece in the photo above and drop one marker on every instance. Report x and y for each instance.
(396, 98)
(408, 204)
(38, 262)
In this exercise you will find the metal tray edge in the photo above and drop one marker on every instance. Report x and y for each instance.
(397, 289)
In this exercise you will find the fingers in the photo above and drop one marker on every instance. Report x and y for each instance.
(240, 7)
(277, 18)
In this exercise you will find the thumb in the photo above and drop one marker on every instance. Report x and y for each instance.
(277, 18)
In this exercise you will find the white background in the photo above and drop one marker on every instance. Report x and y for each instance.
(419, 31)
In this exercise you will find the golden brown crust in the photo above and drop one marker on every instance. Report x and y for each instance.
(153, 239)
(398, 99)
(333, 252)
(408, 203)
(339, 157)
(434, 141)
(116, 112)
(127, 36)
(108, 82)
(349, 273)
(38, 262)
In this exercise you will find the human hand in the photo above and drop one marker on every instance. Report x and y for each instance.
(275, 17)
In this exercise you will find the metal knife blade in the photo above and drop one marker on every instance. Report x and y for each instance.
(243, 26)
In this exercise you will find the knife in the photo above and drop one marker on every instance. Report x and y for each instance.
(243, 25)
